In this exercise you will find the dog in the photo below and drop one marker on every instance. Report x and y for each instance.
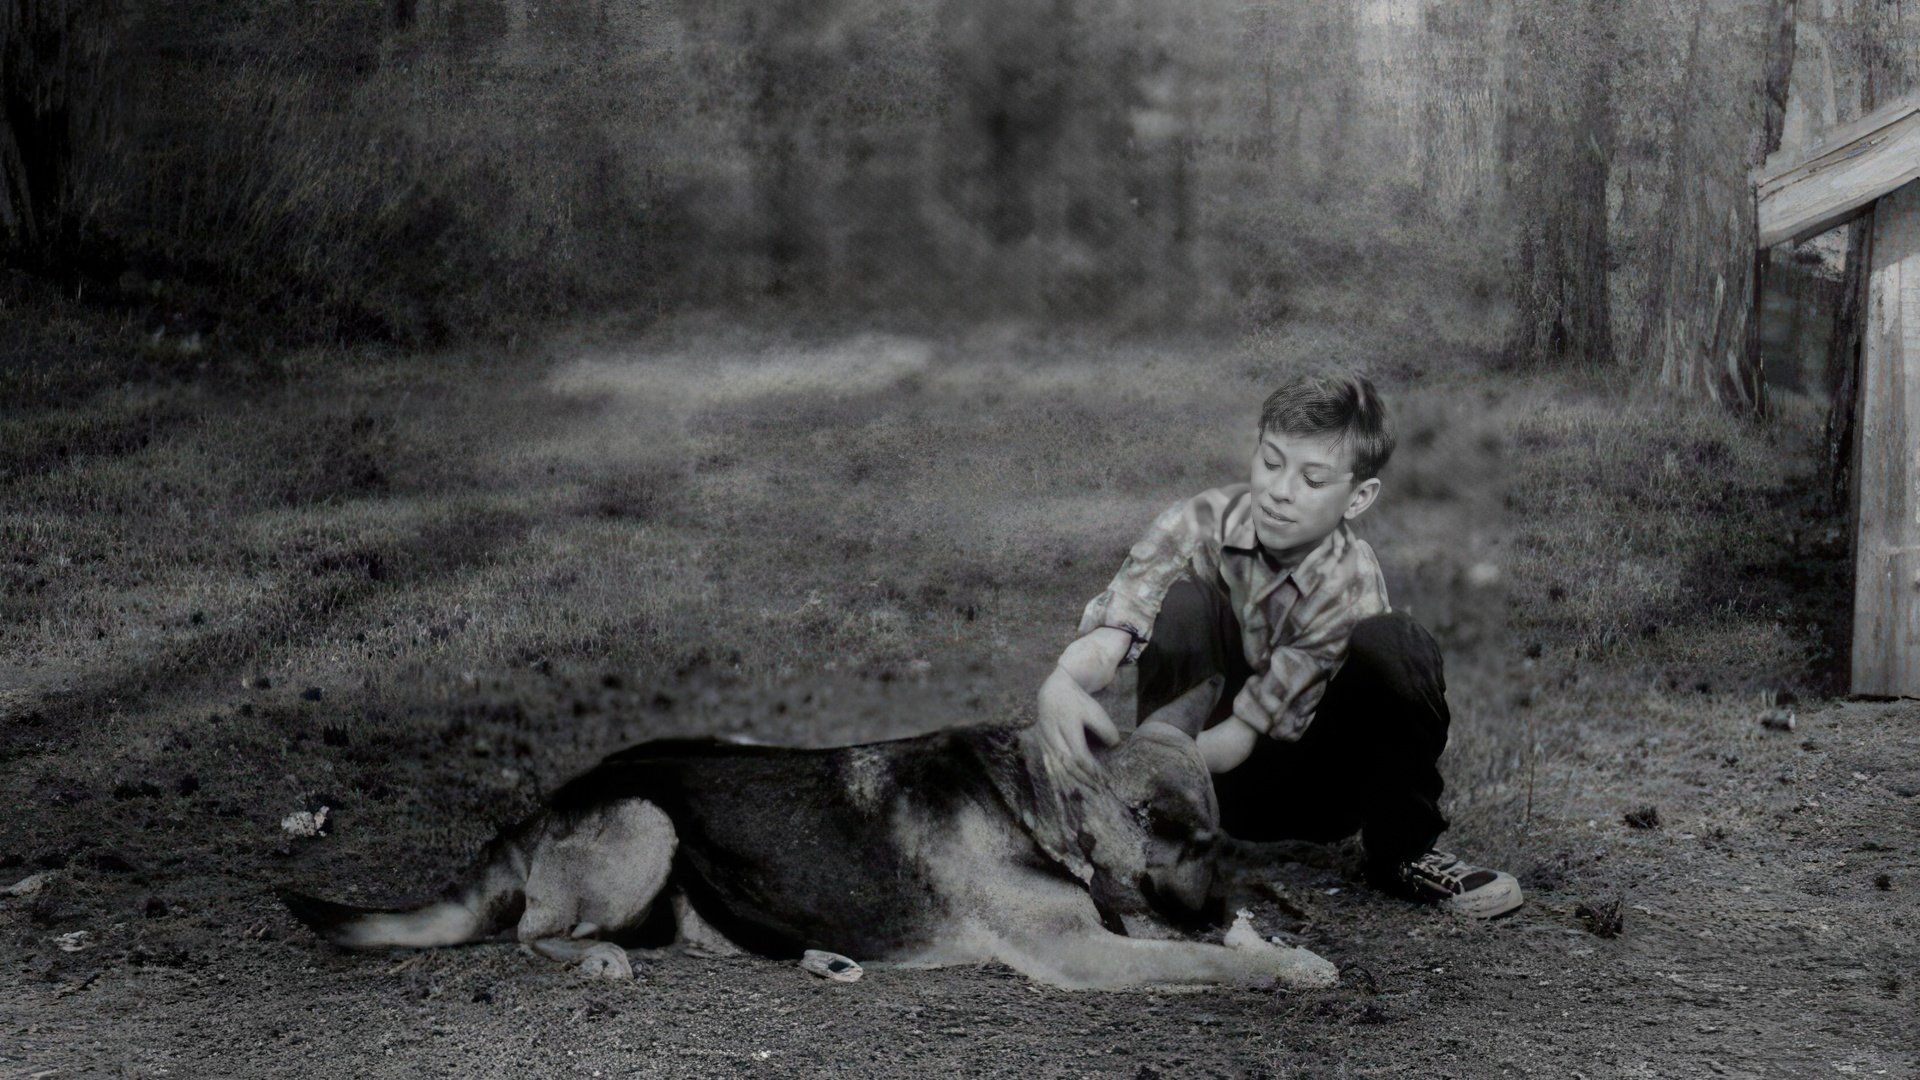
(964, 846)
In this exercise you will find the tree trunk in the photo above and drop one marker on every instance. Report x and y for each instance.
(785, 52)
(53, 59)
(1559, 152)
(35, 122)
(1700, 316)
(1780, 52)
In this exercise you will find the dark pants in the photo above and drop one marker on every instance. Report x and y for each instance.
(1369, 762)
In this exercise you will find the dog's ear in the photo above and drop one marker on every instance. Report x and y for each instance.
(1189, 711)
(1159, 769)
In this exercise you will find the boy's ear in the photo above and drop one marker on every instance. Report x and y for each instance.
(1363, 495)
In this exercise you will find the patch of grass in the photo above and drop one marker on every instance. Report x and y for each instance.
(1651, 532)
(1602, 918)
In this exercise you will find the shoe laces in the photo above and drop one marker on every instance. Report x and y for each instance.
(1437, 869)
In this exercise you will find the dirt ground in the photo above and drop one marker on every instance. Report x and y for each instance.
(1759, 922)
(1767, 929)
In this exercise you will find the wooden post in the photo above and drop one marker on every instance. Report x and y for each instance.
(1886, 605)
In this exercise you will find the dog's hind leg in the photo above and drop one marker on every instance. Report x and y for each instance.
(596, 872)
(696, 933)
(607, 960)
(600, 958)
(591, 873)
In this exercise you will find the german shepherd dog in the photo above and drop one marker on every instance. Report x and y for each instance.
(963, 846)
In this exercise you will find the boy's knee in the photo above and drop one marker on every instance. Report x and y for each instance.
(1187, 615)
(1193, 638)
(1397, 650)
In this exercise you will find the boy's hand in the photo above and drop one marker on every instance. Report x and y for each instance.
(1066, 714)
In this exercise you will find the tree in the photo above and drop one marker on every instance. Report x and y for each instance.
(1559, 150)
(53, 56)
(1655, 263)
(1699, 321)
(788, 45)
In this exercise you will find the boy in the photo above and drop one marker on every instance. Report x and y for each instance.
(1334, 712)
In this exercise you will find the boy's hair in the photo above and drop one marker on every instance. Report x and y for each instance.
(1343, 403)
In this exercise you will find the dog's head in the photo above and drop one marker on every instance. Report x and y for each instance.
(1159, 774)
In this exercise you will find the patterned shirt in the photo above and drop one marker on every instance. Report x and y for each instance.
(1294, 624)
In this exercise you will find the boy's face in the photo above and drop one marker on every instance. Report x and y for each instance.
(1302, 490)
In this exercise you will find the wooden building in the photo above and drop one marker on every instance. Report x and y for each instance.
(1872, 167)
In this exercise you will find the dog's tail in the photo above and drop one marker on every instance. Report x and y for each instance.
(488, 902)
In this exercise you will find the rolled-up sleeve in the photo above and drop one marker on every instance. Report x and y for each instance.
(1132, 600)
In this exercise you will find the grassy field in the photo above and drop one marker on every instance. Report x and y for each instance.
(423, 590)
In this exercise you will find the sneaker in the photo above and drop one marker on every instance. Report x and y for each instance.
(1469, 890)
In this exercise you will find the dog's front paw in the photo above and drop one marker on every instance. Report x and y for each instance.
(1297, 968)
(605, 960)
(1305, 970)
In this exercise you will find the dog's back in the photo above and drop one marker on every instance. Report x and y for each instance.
(783, 850)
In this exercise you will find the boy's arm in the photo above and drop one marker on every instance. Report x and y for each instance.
(1067, 710)
(1269, 704)
(1115, 625)
(1226, 744)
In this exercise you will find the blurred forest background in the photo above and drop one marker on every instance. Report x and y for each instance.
(420, 171)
